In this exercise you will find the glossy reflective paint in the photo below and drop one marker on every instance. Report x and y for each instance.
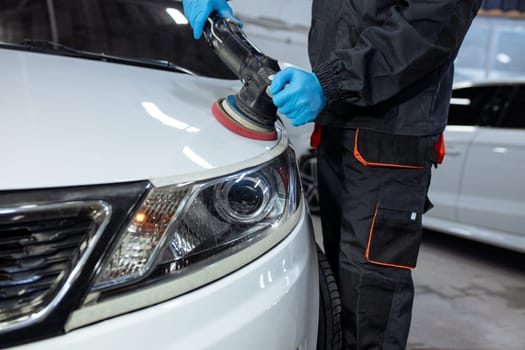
(68, 121)
(492, 190)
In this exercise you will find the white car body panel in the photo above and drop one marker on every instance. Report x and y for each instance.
(268, 304)
(476, 233)
(78, 122)
(491, 195)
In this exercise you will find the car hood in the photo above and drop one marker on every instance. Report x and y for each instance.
(69, 121)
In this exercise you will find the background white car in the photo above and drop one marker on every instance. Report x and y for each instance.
(129, 217)
(478, 191)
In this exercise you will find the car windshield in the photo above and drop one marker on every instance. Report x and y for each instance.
(148, 30)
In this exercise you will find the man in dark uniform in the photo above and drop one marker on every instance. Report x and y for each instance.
(380, 89)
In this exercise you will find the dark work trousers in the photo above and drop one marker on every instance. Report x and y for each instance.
(371, 221)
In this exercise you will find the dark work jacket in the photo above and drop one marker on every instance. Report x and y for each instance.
(387, 65)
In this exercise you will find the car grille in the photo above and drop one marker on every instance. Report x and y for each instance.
(40, 247)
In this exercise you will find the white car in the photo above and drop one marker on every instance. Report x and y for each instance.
(478, 191)
(129, 217)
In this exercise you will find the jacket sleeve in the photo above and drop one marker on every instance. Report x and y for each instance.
(417, 38)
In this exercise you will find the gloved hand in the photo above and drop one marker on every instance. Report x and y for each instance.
(298, 95)
(198, 11)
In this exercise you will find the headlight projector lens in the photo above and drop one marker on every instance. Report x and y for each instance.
(245, 200)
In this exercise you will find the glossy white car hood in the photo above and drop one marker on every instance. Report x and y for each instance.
(67, 121)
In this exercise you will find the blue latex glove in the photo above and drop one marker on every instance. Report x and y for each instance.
(298, 95)
(198, 11)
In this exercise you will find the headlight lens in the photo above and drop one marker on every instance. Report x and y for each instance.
(245, 200)
(181, 227)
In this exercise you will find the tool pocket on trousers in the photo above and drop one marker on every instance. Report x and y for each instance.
(378, 149)
(395, 232)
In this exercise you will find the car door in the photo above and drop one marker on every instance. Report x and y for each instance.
(492, 191)
(465, 104)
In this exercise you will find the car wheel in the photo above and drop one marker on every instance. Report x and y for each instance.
(329, 334)
(308, 170)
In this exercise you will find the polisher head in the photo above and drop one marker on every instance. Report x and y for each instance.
(227, 113)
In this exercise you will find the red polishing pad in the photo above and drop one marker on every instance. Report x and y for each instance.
(239, 125)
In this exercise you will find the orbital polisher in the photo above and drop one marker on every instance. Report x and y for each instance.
(250, 112)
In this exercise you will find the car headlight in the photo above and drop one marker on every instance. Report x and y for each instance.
(186, 235)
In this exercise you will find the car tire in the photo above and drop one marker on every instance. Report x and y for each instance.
(329, 334)
(308, 171)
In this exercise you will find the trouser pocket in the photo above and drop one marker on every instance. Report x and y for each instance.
(395, 232)
(377, 149)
